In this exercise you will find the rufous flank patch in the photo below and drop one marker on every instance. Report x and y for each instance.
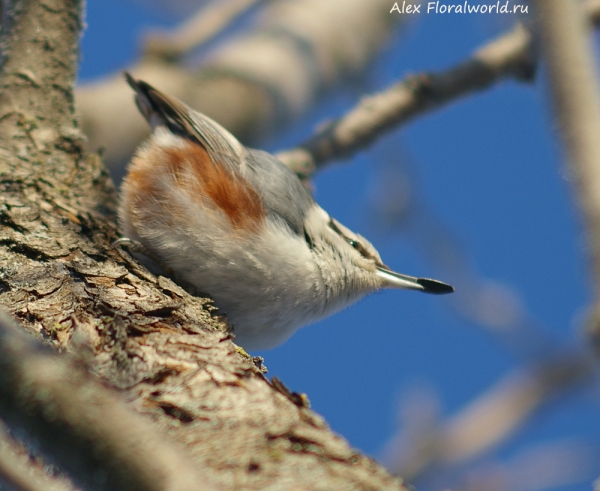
(232, 194)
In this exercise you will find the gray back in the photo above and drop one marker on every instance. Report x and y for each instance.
(283, 195)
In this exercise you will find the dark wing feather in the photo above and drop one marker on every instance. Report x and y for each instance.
(184, 121)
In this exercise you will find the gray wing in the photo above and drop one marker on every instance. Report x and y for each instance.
(283, 195)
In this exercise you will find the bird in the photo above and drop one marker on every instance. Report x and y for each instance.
(237, 224)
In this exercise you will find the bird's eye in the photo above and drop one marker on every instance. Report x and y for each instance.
(354, 243)
(360, 248)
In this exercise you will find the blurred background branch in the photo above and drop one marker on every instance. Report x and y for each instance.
(82, 426)
(484, 423)
(510, 56)
(20, 471)
(573, 80)
(204, 25)
(254, 82)
(572, 76)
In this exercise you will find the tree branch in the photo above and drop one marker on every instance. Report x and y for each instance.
(82, 426)
(196, 31)
(39, 55)
(576, 99)
(511, 56)
(488, 420)
(571, 64)
(21, 472)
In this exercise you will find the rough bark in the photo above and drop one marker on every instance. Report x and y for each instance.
(82, 427)
(163, 349)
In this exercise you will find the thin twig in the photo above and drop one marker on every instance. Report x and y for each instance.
(205, 25)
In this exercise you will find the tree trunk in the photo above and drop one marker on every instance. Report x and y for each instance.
(164, 350)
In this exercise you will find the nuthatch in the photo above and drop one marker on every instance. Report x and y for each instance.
(238, 225)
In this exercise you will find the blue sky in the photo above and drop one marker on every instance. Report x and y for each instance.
(488, 169)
